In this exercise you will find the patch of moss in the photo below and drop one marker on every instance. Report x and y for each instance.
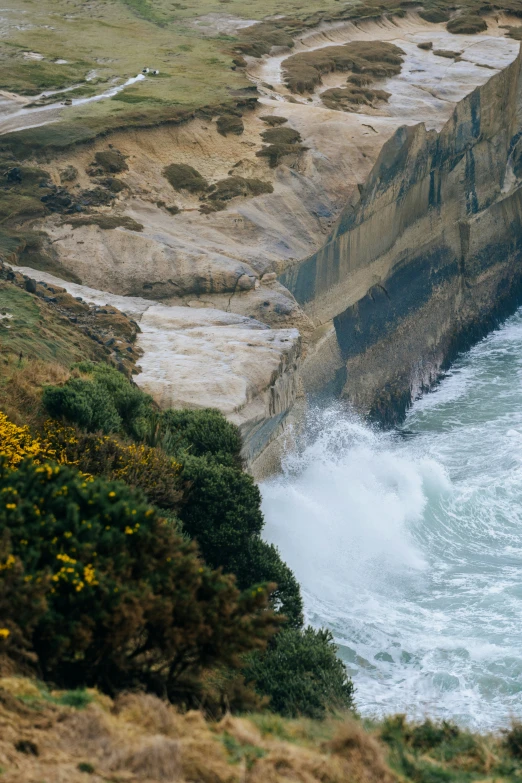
(111, 161)
(273, 120)
(184, 177)
(229, 123)
(105, 222)
(467, 24)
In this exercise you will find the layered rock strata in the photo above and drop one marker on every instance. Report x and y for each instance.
(427, 256)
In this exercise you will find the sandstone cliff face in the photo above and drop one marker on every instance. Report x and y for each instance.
(428, 256)
(255, 307)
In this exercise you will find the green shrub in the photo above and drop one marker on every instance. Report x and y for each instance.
(127, 601)
(203, 433)
(428, 735)
(222, 511)
(86, 403)
(261, 562)
(434, 15)
(302, 674)
(273, 120)
(281, 136)
(105, 400)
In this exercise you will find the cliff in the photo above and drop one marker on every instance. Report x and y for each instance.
(379, 242)
(426, 259)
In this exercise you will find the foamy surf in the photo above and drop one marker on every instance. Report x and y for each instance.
(409, 544)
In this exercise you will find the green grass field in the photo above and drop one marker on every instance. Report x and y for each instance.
(192, 44)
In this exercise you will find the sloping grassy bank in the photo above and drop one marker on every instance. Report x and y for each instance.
(83, 735)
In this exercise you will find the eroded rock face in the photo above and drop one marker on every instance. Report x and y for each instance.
(242, 308)
(428, 256)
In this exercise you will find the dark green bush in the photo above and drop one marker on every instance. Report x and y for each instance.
(229, 123)
(428, 735)
(127, 601)
(85, 403)
(301, 674)
(105, 400)
(261, 562)
(222, 511)
(203, 433)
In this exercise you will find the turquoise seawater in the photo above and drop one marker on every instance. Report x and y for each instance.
(408, 544)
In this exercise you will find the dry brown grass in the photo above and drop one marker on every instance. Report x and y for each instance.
(140, 738)
(21, 389)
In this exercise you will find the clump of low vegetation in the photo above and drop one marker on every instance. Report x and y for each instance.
(280, 142)
(184, 177)
(515, 33)
(232, 187)
(230, 123)
(106, 222)
(68, 174)
(111, 161)
(448, 54)
(281, 136)
(273, 120)
(425, 45)
(467, 24)
(351, 98)
(434, 15)
(378, 59)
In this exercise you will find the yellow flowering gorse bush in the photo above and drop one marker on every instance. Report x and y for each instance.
(17, 444)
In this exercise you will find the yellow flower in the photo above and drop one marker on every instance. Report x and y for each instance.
(112, 494)
(10, 506)
(129, 531)
(11, 560)
(4, 633)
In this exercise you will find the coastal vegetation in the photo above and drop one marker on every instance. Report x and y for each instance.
(132, 553)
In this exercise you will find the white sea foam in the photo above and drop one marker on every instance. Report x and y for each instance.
(409, 544)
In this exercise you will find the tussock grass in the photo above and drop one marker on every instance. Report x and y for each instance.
(140, 737)
(467, 24)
